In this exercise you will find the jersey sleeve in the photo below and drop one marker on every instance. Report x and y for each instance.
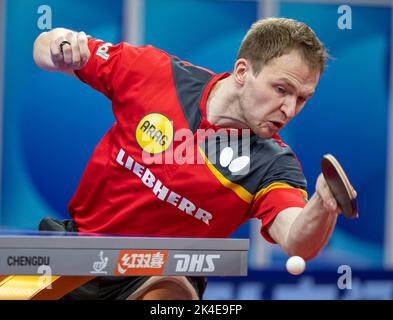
(283, 186)
(105, 68)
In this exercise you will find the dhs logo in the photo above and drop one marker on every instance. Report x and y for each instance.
(196, 262)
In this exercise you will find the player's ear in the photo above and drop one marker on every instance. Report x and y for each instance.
(241, 68)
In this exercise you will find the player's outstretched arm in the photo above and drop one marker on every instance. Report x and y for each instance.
(74, 55)
(305, 232)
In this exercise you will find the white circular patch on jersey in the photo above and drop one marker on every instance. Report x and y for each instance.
(239, 164)
(226, 156)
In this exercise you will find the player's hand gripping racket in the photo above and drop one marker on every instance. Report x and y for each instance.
(340, 186)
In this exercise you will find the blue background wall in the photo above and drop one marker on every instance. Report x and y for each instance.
(52, 122)
(348, 118)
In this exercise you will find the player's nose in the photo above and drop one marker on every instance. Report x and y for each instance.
(289, 108)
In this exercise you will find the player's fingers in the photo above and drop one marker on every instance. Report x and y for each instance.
(83, 48)
(75, 56)
(67, 50)
(329, 202)
(56, 55)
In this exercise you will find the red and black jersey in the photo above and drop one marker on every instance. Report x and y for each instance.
(163, 169)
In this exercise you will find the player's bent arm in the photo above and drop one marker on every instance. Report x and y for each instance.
(305, 231)
(48, 55)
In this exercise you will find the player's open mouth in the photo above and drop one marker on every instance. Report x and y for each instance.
(277, 124)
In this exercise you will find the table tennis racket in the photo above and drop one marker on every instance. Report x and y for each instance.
(340, 186)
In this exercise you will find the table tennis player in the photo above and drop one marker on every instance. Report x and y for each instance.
(155, 95)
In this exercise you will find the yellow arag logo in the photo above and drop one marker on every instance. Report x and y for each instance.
(154, 133)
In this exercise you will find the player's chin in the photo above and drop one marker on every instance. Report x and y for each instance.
(265, 132)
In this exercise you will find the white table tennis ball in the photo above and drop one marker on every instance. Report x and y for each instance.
(295, 265)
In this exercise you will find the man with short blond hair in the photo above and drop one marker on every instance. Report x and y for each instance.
(270, 38)
(154, 95)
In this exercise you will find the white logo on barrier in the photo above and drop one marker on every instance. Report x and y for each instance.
(195, 262)
(44, 281)
(236, 165)
(99, 266)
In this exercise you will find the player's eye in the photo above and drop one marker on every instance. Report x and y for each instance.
(301, 99)
(281, 90)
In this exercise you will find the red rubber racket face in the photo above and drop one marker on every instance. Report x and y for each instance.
(340, 186)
